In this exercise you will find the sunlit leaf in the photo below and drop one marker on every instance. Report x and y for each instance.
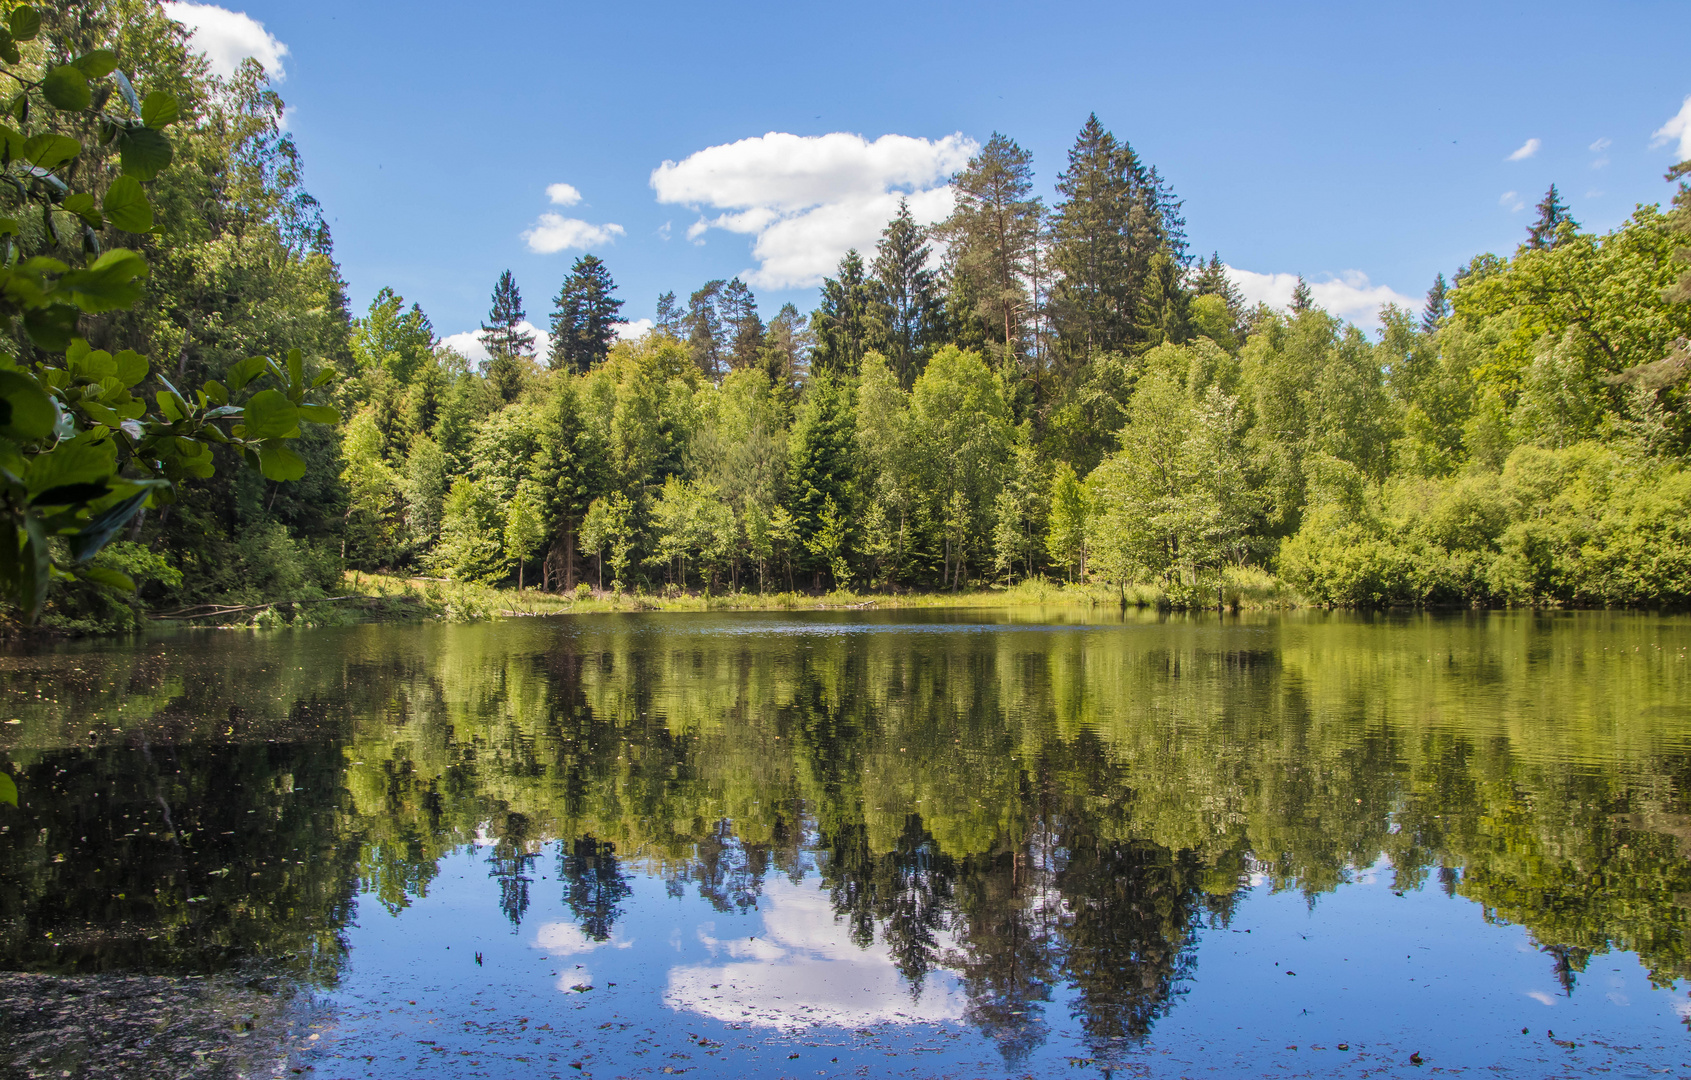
(126, 206)
(66, 87)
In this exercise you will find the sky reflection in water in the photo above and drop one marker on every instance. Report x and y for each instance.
(947, 844)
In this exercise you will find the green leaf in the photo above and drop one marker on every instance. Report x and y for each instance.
(24, 23)
(215, 392)
(243, 372)
(126, 206)
(111, 282)
(296, 369)
(111, 579)
(9, 47)
(50, 151)
(144, 153)
(96, 63)
(87, 542)
(82, 205)
(11, 143)
(160, 110)
(270, 415)
(170, 406)
(8, 789)
(325, 375)
(71, 463)
(51, 327)
(277, 461)
(66, 87)
(35, 565)
(26, 412)
(132, 367)
(319, 414)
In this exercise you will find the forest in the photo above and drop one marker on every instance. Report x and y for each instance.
(1020, 392)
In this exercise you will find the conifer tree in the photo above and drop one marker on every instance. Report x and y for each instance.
(1302, 299)
(1103, 234)
(741, 325)
(705, 334)
(847, 323)
(1542, 234)
(990, 239)
(508, 344)
(584, 317)
(574, 470)
(669, 316)
(914, 313)
(1438, 305)
(820, 462)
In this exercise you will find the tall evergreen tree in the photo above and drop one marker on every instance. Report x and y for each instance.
(1542, 234)
(915, 314)
(990, 239)
(786, 352)
(1302, 299)
(705, 334)
(1105, 234)
(669, 316)
(508, 345)
(820, 453)
(741, 325)
(584, 316)
(847, 323)
(1438, 305)
(574, 470)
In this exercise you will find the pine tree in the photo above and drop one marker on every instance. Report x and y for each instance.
(1544, 233)
(584, 317)
(1438, 305)
(669, 316)
(741, 325)
(847, 323)
(705, 334)
(508, 344)
(914, 314)
(1106, 233)
(990, 240)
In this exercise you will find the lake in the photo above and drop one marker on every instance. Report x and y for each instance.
(898, 843)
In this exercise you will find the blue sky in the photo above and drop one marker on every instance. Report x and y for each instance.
(1365, 146)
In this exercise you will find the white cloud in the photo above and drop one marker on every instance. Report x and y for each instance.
(228, 37)
(1601, 145)
(808, 198)
(1677, 128)
(554, 232)
(803, 969)
(1527, 150)
(1512, 201)
(1350, 295)
(629, 331)
(468, 344)
(563, 194)
(566, 939)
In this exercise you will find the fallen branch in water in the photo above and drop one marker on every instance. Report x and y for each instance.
(212, 611)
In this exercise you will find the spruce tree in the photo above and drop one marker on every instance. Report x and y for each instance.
(1542, 234)
(847, 323)
(574, 470)
(1105, 234)
(1302, 299)
(669, 316)
(584, 317)
(508, 344)
(1438, 305)
(914, 313)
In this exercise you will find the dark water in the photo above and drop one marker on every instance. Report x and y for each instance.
(858, 844)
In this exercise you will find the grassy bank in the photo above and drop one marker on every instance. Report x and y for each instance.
(367, 597)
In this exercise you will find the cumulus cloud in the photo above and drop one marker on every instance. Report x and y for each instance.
(228, 37)
(1512, 201)
(806, 199)
(553, 233)
(1527, 150)
(468, 344)
(563, 194)
(1350, 295)
(629, 331)
(1677, 128)
(802, 968)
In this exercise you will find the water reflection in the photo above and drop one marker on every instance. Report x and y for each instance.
(1018, 826)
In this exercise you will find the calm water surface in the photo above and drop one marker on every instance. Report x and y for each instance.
(959, 844)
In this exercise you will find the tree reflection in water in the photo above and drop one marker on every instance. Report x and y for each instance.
(1033, 811)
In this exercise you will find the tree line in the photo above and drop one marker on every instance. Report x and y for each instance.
(1025, 391)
